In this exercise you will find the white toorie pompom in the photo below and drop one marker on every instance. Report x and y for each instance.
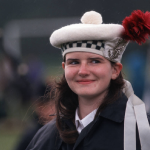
(91, 17)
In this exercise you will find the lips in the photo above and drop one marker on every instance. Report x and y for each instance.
(85, 81)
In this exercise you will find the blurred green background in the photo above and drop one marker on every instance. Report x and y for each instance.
(28, 62)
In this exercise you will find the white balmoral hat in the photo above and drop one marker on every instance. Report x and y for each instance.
(91, 36)
(108, 40)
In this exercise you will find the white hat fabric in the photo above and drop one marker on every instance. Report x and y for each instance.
(78, 32)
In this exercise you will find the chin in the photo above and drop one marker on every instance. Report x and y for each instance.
(86, 94)
(89, 93)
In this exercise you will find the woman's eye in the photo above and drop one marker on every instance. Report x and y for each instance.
(95, 61)
(73, 62)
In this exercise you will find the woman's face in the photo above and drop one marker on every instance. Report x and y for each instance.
(88, 74)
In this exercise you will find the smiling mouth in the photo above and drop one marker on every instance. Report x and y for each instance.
(85, 81)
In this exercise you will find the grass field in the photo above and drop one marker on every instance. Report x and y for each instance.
(8, 139)
(10, 132)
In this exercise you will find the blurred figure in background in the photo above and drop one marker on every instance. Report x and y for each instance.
(146, 95)
(136, 66)
(44, 112)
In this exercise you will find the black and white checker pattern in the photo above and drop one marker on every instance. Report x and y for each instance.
(97, 45)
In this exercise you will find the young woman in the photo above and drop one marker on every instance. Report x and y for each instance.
(96, 107)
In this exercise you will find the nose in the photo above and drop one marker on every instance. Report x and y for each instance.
(83, 70)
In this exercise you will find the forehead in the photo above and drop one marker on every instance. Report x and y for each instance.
(82, 55)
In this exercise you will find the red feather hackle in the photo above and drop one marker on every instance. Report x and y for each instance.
(137, 26)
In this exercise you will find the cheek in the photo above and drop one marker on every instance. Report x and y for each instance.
(70, 73)
(104, 78)
(104, 72)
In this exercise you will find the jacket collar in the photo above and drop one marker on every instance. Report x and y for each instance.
(116, 110)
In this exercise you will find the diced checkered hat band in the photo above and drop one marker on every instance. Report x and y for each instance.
(84, 46)
(111, 50)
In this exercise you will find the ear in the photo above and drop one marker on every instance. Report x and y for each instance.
(117, 67)
(63, 65)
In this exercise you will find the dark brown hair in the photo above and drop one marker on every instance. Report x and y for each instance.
(67, 103)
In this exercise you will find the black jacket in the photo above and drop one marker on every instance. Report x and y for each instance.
(106, 132)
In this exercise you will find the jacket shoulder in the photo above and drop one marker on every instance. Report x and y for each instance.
(46, 130)
(46, 138)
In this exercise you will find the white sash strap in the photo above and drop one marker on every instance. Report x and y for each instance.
(129, 128)
(135, 112)
(143, 125)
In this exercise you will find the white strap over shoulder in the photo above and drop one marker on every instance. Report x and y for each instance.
(135, 112)
(129, 128)
(142, 123)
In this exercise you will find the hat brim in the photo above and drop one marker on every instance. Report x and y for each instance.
(77, 32)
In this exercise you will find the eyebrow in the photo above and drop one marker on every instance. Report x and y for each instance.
(71, 59)
(91, 58)
(96, 58)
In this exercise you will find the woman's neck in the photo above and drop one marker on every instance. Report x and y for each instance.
(87, 105)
